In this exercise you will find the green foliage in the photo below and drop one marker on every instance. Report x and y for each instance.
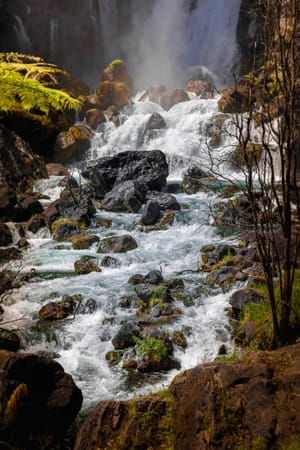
(151, 348)
(24, 86)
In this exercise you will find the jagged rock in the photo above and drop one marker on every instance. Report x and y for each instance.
(30, 206)
(5, 235)
(39, 401)
(151, 213)
(35, 223)
(59, 310)
(117, 244)
(8, 201)
(165, 201)
(127, 196)
(194, 180)
(86, 265)
(251, 402)
(172, 97)
(148, 167)
(84, 241)
(167, 219)
(126, 336)
(9, 340)
(202, 88)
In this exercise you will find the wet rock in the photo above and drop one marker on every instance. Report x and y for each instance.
(56, 169)
(30, 206)
(166, 220)
(86, 265)
(201, 88)
(103, 223)
(154, 93)
(23, 244)
(117, 72)
(117, 244)
(114, 357)
(145, 291)
(194, 180)
(165, 364)
(153, 277)
(95, 117)
(241, 298)
(136, 279)
(111, 93)
(109, 261)
(212, 255)
(165, 201)
(5, 235)
(10, 253)
(84, 241)
(126, 336)
(9, 340)
(154, 123)
(72, 144)
(148, 167)
(151, 213)
(179, 339)
(35, 223)
(172, 97)
(127, 196)
(65, 229)
(225, 276)
(59, 310)
(129, 301)
(39, 401)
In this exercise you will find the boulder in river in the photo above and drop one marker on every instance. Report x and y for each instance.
(85, 265)
(59, 310)
(117, 244)
(151, 213)
(148, 167)
(172, 97)
(127, 196)
(5, 235)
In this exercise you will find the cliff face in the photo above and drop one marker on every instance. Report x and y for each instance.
(253, 403)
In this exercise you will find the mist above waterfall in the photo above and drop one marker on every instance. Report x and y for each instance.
(175, 35)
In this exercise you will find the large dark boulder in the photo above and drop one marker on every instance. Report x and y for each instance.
(151, 213)
(241, 298)
(166, 201)
(126, 336)
(148, 167)
(172, 97)
(117, 244)
(39, 401)
(5, 235)
(128, 196)
(194, 179)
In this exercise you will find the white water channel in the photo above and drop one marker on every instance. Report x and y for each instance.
(81, 343)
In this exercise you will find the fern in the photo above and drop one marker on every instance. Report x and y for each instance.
(24, 86)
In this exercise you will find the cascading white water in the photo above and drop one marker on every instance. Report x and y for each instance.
(161, 47)
(83, 342)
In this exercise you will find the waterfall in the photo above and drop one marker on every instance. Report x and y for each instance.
(162, 41)
(162, 46)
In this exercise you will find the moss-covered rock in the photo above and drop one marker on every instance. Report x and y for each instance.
(84, 241)
(117, 244)
(117, 72)
(85, 265)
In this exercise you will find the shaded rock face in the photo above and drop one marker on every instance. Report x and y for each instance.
(252, 403)
(148, 167)
(39, 400)
(172, 97)
(19, 167)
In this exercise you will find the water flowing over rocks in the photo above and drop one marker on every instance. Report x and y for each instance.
(254, 400)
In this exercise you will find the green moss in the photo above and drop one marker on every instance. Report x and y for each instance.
(151, 348)
(117, 62)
